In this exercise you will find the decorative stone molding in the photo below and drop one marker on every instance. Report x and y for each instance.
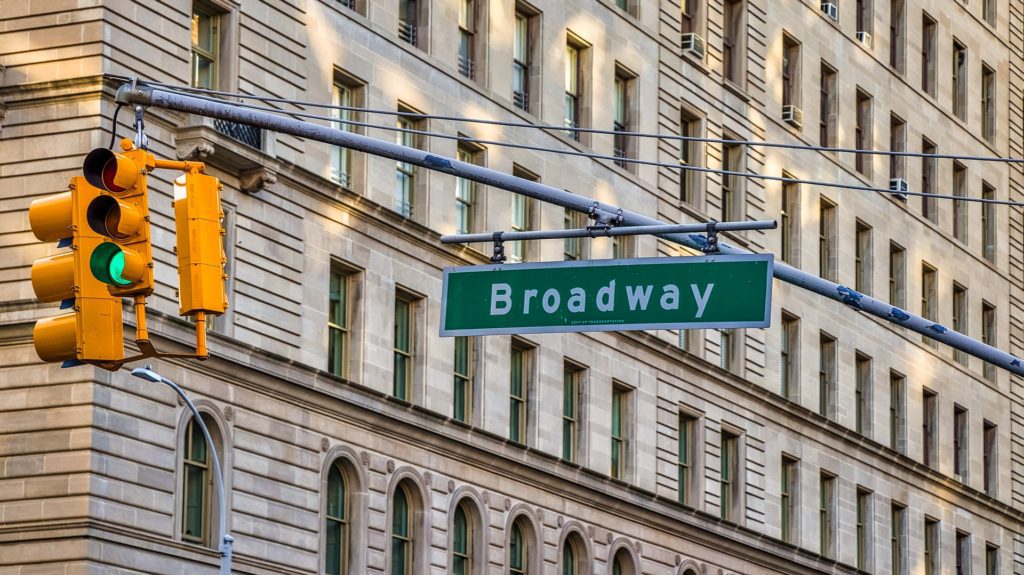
(508, 503)
(391, 466)
(257, 180)
(364, 457)
(428, 478)
(561, 521)
(229, 413)
(325, 444)
(609, 538)
(451, 485)
(195, 150)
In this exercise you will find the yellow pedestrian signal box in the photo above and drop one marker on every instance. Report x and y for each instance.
(120, 216)
(92, 331)
(200, 244)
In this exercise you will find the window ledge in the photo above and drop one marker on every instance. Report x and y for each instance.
(198, 139)
(736, 89)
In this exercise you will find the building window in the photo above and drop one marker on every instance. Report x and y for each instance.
(790, 216)
(863, 134)
(733, 160)
(959, 318)
(928, 42)
(338, 323)
(574, 555)
(691, 16)
(412, 22)
(572, 377)
(864, 524)
(518, 550)
(790, 71)
(988, 223)
(523, 218)
(573, 247)
(959, 80)
(988, 335)
(729, 469)
(624, 120)
(827, 106)
(401, 532)
(930, 427)
(405, 345)
(734, 41)
(620, 430)
(576, 59)
(205, 46)
(897, 412)
(519, 386)
(686, 460)
(406, 173)
(462, 542)
(991, 555)
(827, 239)
(197, 504)
(728, 349)
(865, 22)
(862, 393)
(827, 376)
(691, 153)
(897, 143)
(897, 35)
(989, 463)
(898, 538)
(928, 206)
(897, 275)
(988, 11)
(788, 357)
(466, 191)
(462, 385)
(347, 93)
(931, 546)
(336, 523)
(827, 514)
(862, 259)
(467, 38)
(623, 247)
(524, 48)
(960, 445)
(789, 481)
(929, 296)
(622, 564)
(960, 206)
(963, 553)
(988, 104)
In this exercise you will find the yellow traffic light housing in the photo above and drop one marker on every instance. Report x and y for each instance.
(200, 245)
(120, 214)
(92, 331)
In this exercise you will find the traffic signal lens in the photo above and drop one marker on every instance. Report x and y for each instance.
(107, 264)
(112, 172)
(113, 218)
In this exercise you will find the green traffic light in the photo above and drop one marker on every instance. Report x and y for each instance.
(107, 264)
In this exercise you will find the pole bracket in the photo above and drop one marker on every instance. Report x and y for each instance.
(141, 141)
(499, 249)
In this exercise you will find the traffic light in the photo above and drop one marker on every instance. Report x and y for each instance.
(120, 215)
(200, 245)
(92, 331)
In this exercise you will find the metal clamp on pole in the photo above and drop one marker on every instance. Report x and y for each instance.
(141, 141)
(499, 249)
(712, 245)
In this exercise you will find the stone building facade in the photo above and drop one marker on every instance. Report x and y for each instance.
(353, 439)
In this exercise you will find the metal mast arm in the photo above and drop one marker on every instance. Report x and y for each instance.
(161, 98)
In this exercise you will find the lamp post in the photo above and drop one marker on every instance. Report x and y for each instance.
(226, 540)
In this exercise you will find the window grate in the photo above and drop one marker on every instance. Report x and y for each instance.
(248, 135)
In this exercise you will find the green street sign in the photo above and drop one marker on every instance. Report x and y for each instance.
(608, 295)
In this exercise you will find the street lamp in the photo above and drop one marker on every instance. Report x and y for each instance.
(148, 374)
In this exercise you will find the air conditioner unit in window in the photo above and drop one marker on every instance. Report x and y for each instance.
(831, 10)
(864, 38)
(899, 188)
(793, 116)
(693, 45)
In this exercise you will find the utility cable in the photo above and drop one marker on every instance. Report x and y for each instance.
(546, 127)
(618, 159)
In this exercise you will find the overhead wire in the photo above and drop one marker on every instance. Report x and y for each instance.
(653, 135)
(577, 153)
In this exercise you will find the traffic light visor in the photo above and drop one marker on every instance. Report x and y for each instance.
(116, 265)
(50, 217)
(110, 171)
(113, 218)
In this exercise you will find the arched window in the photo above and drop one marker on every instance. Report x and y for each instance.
(199, 511)
(575, 559)
(462, 542)
(401, 532)
(568, 559)
(518, 550)
(336, 519)
(622, 563)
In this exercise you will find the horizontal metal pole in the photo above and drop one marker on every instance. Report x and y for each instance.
(160, 98)
(600, 232)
